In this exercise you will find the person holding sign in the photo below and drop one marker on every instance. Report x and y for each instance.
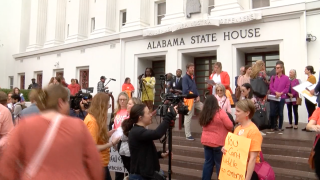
(219, 77)
(215, 127)
(244, 112)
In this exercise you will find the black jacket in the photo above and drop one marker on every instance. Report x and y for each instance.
(178, 85)
(144, 155)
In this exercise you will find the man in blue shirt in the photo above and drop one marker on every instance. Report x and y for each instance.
(189, 86)
(32, 109)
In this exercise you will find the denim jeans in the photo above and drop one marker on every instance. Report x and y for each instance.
(276, 109)
(213, 157)
(135, 177)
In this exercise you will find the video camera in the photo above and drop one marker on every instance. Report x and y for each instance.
(76, 100)
(172, 100)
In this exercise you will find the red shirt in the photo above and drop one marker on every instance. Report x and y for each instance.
(225, 80)
(215, 133)
(74, 89)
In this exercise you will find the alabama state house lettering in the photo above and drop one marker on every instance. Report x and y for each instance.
(205, 38)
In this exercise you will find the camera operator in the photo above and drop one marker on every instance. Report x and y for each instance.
(82, 112)
(144, 156)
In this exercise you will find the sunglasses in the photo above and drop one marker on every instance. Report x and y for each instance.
(278, 67)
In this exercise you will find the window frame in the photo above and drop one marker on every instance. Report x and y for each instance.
(121, 23)
(11, 85)
(93, 24)
(263, 54)
(157, 15)
(251, 4)
(210, 7)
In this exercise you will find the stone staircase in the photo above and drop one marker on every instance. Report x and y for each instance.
(287, 156)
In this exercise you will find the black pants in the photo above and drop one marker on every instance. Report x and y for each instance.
(295, 113)
(276, 109)
(107, 175)
(310, 107)
(119, 176)
(126, 163)
(254, 176)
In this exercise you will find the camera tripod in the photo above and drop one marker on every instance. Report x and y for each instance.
(163, 140)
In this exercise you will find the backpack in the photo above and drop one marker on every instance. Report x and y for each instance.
(264, 170)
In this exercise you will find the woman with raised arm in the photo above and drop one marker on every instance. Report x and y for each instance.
(148, 85)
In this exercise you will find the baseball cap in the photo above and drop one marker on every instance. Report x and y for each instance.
(3, 96)
(102, 77)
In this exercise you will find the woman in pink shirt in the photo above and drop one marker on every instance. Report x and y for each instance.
(215, 127)
(72, 154)
(223, 101)
(121, 111)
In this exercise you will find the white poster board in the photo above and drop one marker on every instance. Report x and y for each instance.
(115, 163)
(302, 89)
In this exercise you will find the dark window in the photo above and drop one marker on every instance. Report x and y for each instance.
(159, 69)
(22, 81)
(260, 3)
(123, 17)
(203, 69)
(161, 12)
(210, 6)
(269, 58)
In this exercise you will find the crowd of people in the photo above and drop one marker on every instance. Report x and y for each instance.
(59, 143)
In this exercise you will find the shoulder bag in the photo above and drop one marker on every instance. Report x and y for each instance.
(260, 119)
(264, 170)
(259, 87)
(45, 145)
(311, 156)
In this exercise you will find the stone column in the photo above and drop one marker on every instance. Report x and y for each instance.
(38, 19)
(105, 18)
(174, 12)
(223, 7)
(138, 15)
(56, 22)
(78, 16)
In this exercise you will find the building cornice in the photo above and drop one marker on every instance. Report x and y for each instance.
(268, 14)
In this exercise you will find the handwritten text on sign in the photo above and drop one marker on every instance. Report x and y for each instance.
(115, 163)
(234, 162)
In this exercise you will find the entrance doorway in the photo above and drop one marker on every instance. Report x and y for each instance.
(84, 78)
(203, 69)
(22, 81)
(159, 69)
(269, 58)
(39, 80)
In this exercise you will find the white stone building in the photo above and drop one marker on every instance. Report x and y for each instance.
(120, 38)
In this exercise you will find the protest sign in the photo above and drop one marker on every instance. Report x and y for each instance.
(304, 88)
(115, 163)
(234, 162)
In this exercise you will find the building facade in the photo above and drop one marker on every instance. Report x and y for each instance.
(85, 39)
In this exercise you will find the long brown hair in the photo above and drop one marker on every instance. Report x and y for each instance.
(48, 98)
(99, 110)
(210, 108)
(136, 111)
(256, 68)
(118, 104)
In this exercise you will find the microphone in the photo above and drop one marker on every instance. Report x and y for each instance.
(112, 79)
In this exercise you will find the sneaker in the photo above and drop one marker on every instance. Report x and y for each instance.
(190, 138)
(263, 134)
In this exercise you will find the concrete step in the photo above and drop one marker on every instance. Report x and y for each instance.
(193, 157)
(272, 138)
(272, 149)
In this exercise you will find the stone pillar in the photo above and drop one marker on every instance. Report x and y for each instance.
(38, 19)
(105, 18)
(78, 16)
(223, 7)
(174, 12)
(56, 22)
(138, 15)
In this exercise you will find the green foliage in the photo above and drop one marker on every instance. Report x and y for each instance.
(25, 92)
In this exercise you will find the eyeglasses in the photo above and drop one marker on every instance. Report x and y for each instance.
(219, 90)
(122, 99)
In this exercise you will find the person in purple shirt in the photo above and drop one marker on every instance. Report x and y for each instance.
(279, 86)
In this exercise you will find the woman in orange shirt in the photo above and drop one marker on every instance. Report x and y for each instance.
(128, 87)
(96, 122)
(244, 112)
